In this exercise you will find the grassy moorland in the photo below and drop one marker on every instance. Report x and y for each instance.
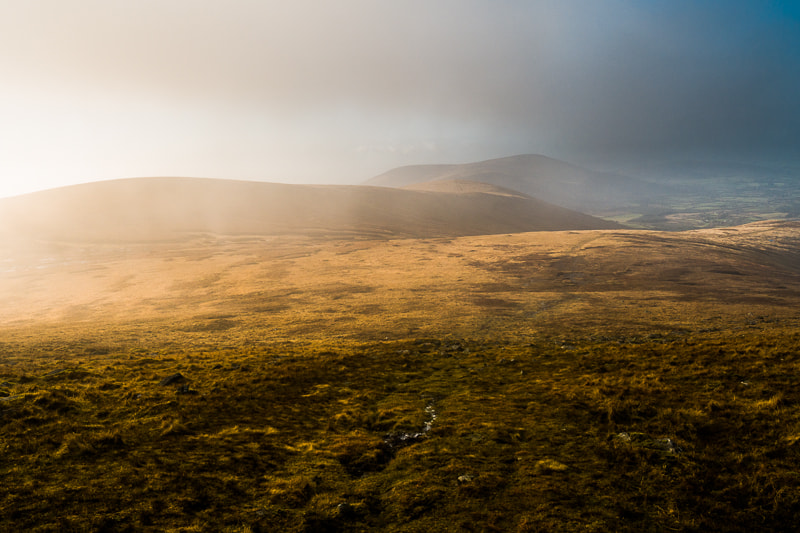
(559, 381)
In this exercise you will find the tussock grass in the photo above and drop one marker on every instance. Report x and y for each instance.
(693, 434)
(575, 381)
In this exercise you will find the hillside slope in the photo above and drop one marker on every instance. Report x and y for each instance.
(539, 176)
(164, 208)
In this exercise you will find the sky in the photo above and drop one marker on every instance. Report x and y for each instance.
(339, 91)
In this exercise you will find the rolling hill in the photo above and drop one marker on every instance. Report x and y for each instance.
(539, 176)
(145, 209)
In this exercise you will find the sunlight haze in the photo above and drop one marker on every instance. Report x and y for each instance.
(338, 92)
(399, 266)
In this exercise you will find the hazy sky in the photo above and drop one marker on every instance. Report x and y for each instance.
(337, 91)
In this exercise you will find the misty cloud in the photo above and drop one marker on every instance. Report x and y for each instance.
(307, 83)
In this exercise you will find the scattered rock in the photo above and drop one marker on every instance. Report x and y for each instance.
(431, 418)
(667, 445)
(174, 378)
(398, 439)
(466, 478)
(645, 441)
(345, 510)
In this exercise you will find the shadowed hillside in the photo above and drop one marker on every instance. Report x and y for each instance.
(536, 175)
(164, 208)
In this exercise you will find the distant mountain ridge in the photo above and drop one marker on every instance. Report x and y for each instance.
(538, 176)
(146, 209)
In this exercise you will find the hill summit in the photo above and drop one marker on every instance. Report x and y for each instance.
(539, 176)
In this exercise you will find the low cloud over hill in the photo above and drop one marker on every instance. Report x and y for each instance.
(539, 176)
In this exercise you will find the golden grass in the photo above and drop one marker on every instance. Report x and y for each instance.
(604, 436)
(592, 381)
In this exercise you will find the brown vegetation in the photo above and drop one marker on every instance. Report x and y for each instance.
(166, 209)
(676, 197)
(555, 381)
(536, 175)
